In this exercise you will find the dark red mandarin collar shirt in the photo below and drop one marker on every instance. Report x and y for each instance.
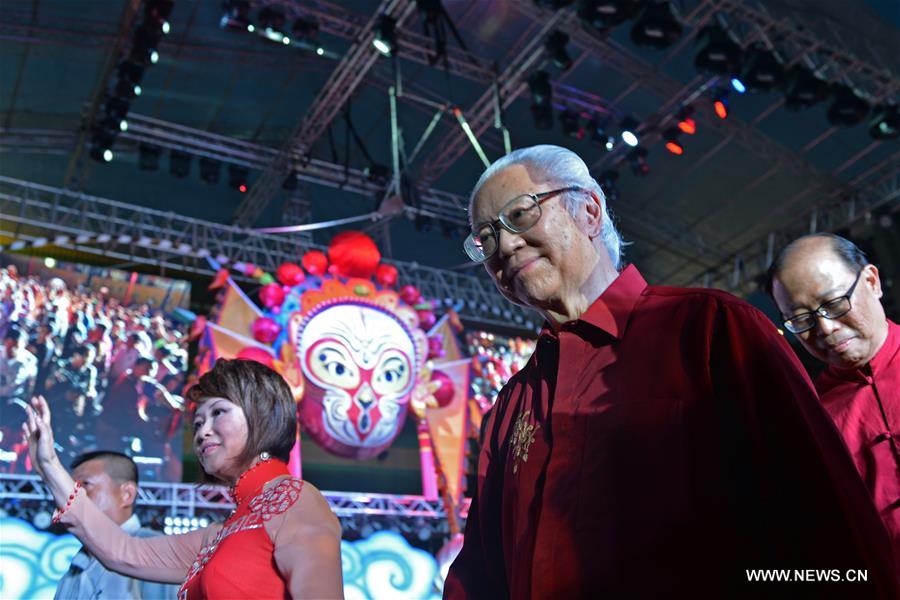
(660, 446)
(865, 406)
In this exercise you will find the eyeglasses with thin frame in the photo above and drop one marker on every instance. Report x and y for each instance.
(517, 216)
(832, 309)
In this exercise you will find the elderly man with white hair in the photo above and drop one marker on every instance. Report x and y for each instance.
(661, 441)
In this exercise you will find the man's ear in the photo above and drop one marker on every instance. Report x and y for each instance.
(594, 208)
(872, 279)
(127, 493)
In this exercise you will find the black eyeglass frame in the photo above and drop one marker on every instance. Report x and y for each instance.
(538, 198)
(822, 310)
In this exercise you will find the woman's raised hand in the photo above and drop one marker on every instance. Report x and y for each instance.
(39, 434)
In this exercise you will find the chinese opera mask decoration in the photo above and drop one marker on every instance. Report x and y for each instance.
(351, 348)
(359, 364)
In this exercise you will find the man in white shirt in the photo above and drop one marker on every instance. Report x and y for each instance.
(111, 481)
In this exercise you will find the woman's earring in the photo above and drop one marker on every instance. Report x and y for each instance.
(264, 456)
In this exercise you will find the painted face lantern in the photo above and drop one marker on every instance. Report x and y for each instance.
(360, 362)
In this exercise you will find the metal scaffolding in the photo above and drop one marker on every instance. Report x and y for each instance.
(194, 500)
(39, 215)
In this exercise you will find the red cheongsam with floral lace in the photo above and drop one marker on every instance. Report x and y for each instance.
(239, 562)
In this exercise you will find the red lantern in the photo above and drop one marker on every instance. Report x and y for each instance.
(409, 294)
(290, 274)
(444, 394)
(386, 275)
(353, 254)
(315, 262)
(265, 330)
(271, 295)
(257, 354)
(426, 319)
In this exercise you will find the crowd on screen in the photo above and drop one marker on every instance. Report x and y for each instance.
(111, 373)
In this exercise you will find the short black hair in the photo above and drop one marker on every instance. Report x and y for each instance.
(118, 466)
(848, 252)
(14, 333)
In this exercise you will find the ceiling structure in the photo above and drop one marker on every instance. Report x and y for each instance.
(332, 116)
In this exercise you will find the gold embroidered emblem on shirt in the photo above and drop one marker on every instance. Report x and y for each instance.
(522, 438)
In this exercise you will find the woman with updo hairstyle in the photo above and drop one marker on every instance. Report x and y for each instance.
(281, 541)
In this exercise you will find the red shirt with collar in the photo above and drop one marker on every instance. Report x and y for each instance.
(659, 446)
(865, 406)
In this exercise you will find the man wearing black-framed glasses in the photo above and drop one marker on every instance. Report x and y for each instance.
(829, 296)
(659, 441)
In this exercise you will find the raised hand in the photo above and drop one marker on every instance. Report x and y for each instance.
(39, 434)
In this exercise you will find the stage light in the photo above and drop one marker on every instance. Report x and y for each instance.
(237, 178)
(637, 161)
(237, 16)
(127, 90)
(148, 157)
(386, 36)
(209, 170)
(656, 27)
(541, 99)
(320, 51)
(719, 53)
(116, 108)
(179, 163)
(143, 47)
(556, 49)
(762, 70)
(104, 154)
(629, 131)
(49, 262)
(720, 102)
(305, 29)
(885, 123)
(102, 140)
(138, 90)
(672, 144)
(599, 134)
(130, 71)
(570, 121)
(603, 14)
(166, 28)
(738, 85)
(686, 123)
(271, 17)
(803, 89)
(847, 109)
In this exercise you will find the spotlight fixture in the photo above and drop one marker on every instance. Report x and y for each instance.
(803, 89)
(148, 157)
(686, 123)
(116, 108)
(720, 103)
(179, 163)
(656, 27)
(102, 141)
(738, 85)
(386, 36)
(599, 134)
(629, 131)
(762, 71)
(556, 49)
(143, 47)
(305, 29)
(672, 144)
(719, 53)
(570, 121)
(847, 109)
(237, 15)
(209, 170)
(130, 71)
(156, 14)
(637, 161)
(127, 90)
(541, 99)
(885, 123)
(604, 14)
